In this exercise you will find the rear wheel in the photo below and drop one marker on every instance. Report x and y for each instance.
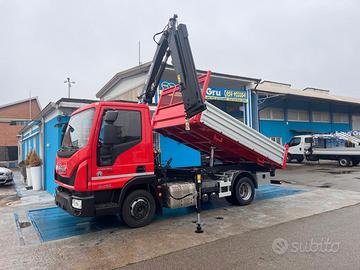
(355, 162)
(138, 208)
(244, 191)
(344, 161)
(300, 159)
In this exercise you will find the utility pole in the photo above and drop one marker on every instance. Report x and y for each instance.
(30, 105)
(139, 52)
(69, 83)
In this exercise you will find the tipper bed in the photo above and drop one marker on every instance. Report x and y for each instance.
(232, 140)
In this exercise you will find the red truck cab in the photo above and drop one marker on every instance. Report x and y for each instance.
(90, 172)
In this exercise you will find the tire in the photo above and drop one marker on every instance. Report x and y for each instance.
(344, 161)
(138, 208)
(289, 159)
(244, 191)
(300, 159)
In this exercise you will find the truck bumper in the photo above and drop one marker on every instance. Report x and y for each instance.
(64, 199)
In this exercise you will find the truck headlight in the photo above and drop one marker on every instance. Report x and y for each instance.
(76, 203)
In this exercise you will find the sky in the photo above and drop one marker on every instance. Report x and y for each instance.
(304, 43)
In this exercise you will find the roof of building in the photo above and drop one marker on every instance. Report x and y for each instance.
(308, 92)
(144, 68)
(21, 101)
(63, 102)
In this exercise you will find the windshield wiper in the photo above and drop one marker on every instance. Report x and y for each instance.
(69, 147)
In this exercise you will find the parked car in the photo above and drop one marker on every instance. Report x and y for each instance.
(6, 176)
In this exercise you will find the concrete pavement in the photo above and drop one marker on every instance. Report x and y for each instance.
(121, 246)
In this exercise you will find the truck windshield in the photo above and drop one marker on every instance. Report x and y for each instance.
(78, 129)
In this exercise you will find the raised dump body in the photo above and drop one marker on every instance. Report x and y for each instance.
(232, 140)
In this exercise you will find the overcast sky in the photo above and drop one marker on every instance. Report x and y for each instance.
(305, 43)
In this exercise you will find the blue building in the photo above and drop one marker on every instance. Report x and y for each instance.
(285, 112)
(44, 135)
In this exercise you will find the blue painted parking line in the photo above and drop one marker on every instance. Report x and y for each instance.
(266, 192)
(54, 223)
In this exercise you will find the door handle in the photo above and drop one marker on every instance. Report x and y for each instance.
(140, 169)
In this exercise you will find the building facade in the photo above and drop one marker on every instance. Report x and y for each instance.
(44, 135)
(13, 117)
(285, 111)
(277, 110)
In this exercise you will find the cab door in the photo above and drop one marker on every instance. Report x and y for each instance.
(295, 146)
(124, 147)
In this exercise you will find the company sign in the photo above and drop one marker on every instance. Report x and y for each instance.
(226, 94)
(214, 93)
(355, 133)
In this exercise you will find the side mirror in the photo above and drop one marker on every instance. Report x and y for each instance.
(110, 131)
(111, 116)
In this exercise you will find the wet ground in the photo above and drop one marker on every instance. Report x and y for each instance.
(325, 174)
(326, 187)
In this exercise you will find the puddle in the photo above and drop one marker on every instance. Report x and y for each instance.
(340, 172)
(8, 200)
(325, 185)
(24, 224)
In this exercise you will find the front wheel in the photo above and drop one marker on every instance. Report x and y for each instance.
(244, 191)
(344, 161)
(138, 208)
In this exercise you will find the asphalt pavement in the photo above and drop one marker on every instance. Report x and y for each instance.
(329, 240)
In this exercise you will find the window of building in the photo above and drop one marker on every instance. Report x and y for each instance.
(320, 116)
(272, 114)
(341, 118)
(298, 115)
(19, 123)
(277, 139)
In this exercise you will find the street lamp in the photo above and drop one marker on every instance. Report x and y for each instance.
(69, 83)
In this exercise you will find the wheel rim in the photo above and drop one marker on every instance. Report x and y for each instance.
(245, 191)
(343, 162)
(140, 208)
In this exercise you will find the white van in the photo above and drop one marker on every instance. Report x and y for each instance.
(297, 147)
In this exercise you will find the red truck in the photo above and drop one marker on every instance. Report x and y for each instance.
(107, 164)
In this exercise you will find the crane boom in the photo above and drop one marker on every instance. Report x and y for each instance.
(174, 42)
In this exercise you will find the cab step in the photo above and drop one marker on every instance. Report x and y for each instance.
(107, 209)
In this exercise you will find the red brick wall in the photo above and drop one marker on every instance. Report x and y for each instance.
(20, 110)
(9, 132)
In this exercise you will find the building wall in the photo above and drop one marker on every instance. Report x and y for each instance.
(30, 141)
(52, 141)
(8, 134)
(12, 119)
(20, 110)
(285, 128)
(273, 128)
